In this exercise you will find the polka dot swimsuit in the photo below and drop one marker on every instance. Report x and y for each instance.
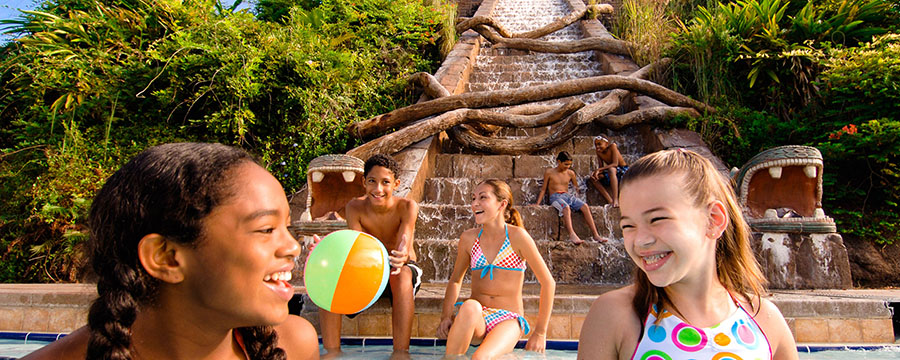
(738, 337)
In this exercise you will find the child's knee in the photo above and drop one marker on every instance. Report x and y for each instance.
(469, 309)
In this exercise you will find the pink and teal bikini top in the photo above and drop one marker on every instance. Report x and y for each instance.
(737, 337)
(506, 259)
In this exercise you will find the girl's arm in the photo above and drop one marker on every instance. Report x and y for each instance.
(455, 282)
(524, 244)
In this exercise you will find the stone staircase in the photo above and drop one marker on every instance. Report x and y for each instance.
(444, 211)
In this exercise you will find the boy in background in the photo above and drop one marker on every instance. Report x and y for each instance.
(557, 180)
(611, 168)
(392, 220)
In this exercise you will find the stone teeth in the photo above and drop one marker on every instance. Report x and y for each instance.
(349, 176)
(771, 213)
(317, 176)
(810, 171)
(775, 172)
(819, 213)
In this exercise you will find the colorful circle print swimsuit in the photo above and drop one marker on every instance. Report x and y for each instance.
(738, 337)
(506, 259)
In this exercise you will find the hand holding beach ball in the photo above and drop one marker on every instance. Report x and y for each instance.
(346, 272)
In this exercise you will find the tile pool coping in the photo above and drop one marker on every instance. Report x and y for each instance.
(383, 341)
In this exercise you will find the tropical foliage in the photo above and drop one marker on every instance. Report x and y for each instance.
(89, 83)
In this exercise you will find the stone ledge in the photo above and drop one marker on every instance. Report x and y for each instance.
(812, 316)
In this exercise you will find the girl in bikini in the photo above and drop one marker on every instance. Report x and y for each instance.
(697, 288)
(190, 246)
(496, 253)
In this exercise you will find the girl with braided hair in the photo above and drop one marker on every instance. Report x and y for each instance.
(190, 246)
(493, 316)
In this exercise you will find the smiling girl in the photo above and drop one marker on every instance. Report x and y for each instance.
(190, 246)
(496, 253)
(697, 288)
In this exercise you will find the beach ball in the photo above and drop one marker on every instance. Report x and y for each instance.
(346, 272)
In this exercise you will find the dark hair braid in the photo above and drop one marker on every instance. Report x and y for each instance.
(261, 343)
(167, 190)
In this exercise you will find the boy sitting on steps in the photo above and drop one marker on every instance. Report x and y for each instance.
(557, 180)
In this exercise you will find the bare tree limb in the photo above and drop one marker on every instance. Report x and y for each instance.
(614, 46)
(431, 85)
(483, 99)
(402, 138)
(654, 114)
(550, 28)
(558, 132)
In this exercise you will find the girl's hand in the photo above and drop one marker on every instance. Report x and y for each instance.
(399, 257)
(443, 328)
(536, 342)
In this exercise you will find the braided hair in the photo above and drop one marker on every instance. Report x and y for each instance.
(167, 190)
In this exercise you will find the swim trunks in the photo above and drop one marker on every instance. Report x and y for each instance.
(561, 200)
(416, 282)
(620, 171)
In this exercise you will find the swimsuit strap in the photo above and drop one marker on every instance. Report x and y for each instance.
(239, 338)
(507, 259)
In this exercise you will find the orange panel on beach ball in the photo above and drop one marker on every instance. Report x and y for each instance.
(363, 277)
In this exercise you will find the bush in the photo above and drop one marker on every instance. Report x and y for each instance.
(89, 84)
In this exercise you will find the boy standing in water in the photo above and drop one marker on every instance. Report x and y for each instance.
(611, 168)
(392, 220)
(557, 180)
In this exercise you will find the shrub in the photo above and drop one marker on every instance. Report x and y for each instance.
(88, 84)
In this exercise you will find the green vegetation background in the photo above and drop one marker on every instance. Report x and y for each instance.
(90, 83)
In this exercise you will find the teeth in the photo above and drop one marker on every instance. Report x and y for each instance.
(349, 176)
(279, 276)
(654, 258)
(317, 176)
(771, 213)
(775, 172)
(810, 171)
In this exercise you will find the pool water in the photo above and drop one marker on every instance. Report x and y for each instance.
(16, 346)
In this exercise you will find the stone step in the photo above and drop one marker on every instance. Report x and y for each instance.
(440, 221)
(587, 263)
(512, 166)
(531, 76)
(536, 58)
(458, 191)
(592, 66)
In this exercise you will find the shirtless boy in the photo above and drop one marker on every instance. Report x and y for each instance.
(391, 220)
(557, 180)
(612, 167)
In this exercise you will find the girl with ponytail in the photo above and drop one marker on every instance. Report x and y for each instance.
(697, 292)
(190, 246)
(494, 315)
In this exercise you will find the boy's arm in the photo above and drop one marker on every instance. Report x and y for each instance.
(408, 214)
(352, 214)
(617, 157)
(543, 189)
(574, 180)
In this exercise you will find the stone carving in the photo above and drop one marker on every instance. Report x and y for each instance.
(798, 247)
(780, 190)
(331, 181)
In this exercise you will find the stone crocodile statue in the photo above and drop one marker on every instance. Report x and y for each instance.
(780, 190)
(332, 180)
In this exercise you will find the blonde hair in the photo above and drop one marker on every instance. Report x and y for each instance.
(502, 191)
(736, 266)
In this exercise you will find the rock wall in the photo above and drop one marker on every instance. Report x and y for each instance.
(803, 261)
